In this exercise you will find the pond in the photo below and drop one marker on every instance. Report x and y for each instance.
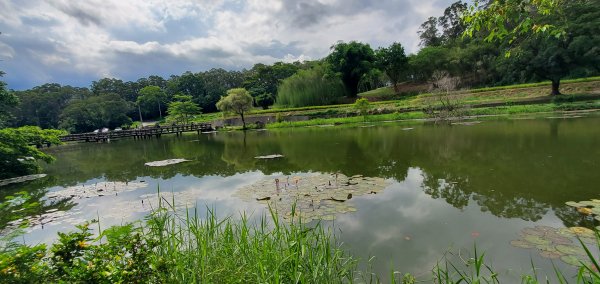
(435, 188)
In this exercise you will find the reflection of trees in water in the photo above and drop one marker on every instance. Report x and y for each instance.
(572, 218)
(514, 169)
(30, 202)
(446, 187)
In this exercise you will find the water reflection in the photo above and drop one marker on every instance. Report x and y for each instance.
(523, 170)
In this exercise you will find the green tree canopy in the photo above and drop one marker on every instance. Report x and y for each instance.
(18, 156)
(183, 108)
(151, 100)
(7, 100)
(551, 37)
(95, 112)
(393, 61)
(351, 61)
(237, 101)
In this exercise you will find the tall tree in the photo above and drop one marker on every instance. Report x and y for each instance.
(151, 100)
(7, 101)
(351, 61)
(393, 61)
(429, 33)
(108, 110)
(183, 108)
(237, 101)
(555, 36)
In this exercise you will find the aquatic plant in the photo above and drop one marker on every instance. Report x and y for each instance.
(313, 196)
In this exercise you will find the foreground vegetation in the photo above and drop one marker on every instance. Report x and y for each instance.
(171, 248)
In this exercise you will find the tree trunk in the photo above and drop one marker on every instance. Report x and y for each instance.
(159, 110)
(243, 121)
(140, 113)
(555, 87)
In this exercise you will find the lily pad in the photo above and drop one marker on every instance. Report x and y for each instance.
(521, 244)
(570, 259)
(574, 204)
(316, 195)
(550, 254)
(95, 190)
(585, 210)
(570, 249)
(533, 231)
(165, 162)
(536, 240)
(582, 232)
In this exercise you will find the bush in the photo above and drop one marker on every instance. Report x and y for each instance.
(309, 88)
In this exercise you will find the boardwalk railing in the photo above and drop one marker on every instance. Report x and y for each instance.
(140, 133)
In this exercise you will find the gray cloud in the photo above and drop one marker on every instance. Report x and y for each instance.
(76, 9)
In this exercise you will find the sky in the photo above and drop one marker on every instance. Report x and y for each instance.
(77, 42)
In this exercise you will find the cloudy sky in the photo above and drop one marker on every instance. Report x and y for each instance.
(76, 42)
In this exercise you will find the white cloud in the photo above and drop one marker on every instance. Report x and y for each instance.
(105, 37)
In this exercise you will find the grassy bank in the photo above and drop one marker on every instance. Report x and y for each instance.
(493, 112)
(172, 248)
(578, 94)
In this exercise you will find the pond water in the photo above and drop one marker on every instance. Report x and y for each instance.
(444, 187)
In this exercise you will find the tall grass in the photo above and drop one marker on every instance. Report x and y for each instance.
(309, 88)
(225, 251)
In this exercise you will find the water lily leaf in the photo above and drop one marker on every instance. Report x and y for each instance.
(574, 204)
(570, 249)
(584, 210)
(521, 244)
(570, 259)
(532, 231)
(545, 229)
(566, 232)
(550, 254)
(536, 240)
(582, 232)
(546, 247)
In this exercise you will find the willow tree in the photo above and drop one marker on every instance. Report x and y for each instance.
(237, 101)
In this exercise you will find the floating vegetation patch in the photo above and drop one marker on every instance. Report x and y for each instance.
(589, 208)
(467, 123)
(95, 190)
(53, 216)
(311, 197)
(274, 156)
(21, 179)
(165, 162)
(557, 243)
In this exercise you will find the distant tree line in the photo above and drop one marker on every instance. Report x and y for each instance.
(489, 55)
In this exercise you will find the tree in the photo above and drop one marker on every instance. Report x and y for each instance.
(393, 62)
(451, 22)
(315, 86)
(152, 98)
(264, 100)
(429, 33)
(555, 35)
(351, 61)
(183, 108)
(265, 79)
(18, 155)
(7, 100)
(363, 106)
(95, 112)
(237, 101)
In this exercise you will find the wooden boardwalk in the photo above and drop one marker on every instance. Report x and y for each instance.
(138, 133)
